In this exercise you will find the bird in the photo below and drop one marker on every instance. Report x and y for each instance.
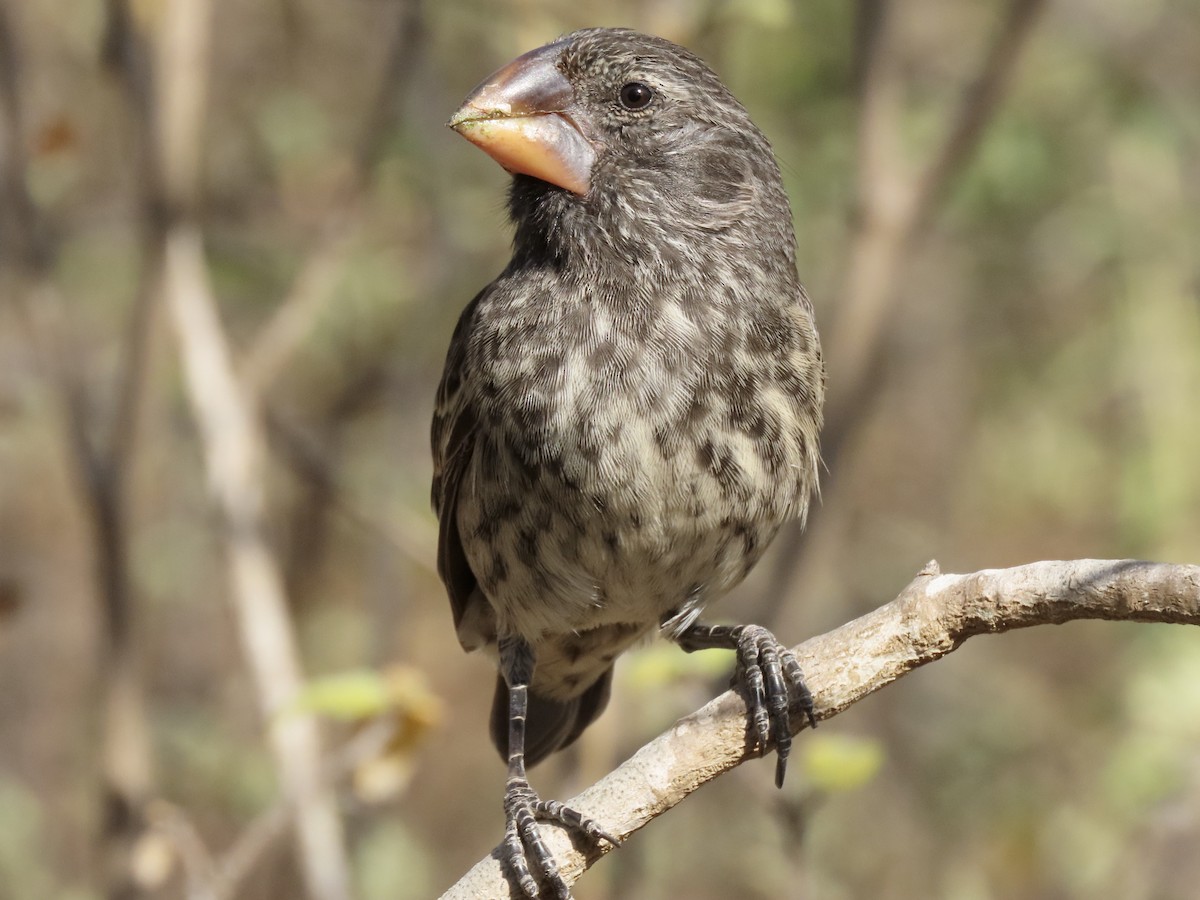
(630, 411)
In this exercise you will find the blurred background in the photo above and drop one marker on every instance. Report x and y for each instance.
(234, 240)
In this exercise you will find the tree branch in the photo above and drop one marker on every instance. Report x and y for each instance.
(930, 619)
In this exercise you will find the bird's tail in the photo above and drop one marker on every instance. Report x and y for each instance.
(551, 724)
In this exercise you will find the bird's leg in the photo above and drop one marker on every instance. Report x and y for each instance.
(765, 669)
(522, 806)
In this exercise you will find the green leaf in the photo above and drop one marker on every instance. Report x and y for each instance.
(662, 663)
(347, 695)
(840, 762)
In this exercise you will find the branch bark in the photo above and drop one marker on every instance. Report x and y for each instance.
(930, 618)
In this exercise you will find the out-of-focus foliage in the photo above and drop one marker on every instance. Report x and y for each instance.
(368, 692)
(840, 762)
(1041, 400)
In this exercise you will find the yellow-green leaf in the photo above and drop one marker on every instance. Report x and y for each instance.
(840, 762)
(346, 695)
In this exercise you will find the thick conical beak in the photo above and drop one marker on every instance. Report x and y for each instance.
(521, 116)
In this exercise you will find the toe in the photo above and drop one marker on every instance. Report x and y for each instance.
(514, 851)
(552, 810)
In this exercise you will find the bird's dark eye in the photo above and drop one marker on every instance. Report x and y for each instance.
(636, 95)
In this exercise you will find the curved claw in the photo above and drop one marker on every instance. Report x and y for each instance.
(770, 677)
(765, 667)
(523, 844)
(750, 674)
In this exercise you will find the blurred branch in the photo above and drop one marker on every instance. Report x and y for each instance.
(930, 618)
(404, 53)
(235, 864)
(233, 446)
(295, 317)
(220, 878)
(278, 340)
(169, 130)
(126, 762)
(894, 206)
(412, 538)
(883, 210)
(893, 210)
(976, 109)
(283, 334)
(127, 53)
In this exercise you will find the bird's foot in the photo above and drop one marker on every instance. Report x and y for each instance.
(765, 670)
(769, 675)
(523, 845)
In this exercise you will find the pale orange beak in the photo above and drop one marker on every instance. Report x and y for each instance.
(521, 116)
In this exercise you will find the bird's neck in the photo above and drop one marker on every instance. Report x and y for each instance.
(606, 234)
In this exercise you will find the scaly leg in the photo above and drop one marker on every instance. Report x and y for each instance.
(522, 806)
